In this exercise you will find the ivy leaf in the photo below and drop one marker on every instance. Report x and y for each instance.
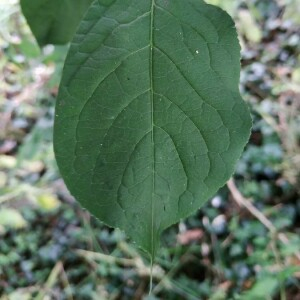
(149, 120)
(54, 21)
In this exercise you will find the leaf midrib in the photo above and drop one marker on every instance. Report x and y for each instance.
(152, 124)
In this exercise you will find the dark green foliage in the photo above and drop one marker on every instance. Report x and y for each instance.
(149, 120)
(54, 21)
(232, 255)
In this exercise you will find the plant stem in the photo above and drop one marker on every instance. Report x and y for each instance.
(151, 277)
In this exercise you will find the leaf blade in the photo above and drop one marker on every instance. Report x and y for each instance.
(54, 21)
(149, 113)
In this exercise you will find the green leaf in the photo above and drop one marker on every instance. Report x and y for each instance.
(262, 289)
(54, 21)
(11, 218)
(149, 120)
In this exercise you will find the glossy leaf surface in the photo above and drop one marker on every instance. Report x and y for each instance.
(149, 120)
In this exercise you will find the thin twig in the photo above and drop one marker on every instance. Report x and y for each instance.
(242, 201)
(125, 262)
(66, 283)
(52, 279)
